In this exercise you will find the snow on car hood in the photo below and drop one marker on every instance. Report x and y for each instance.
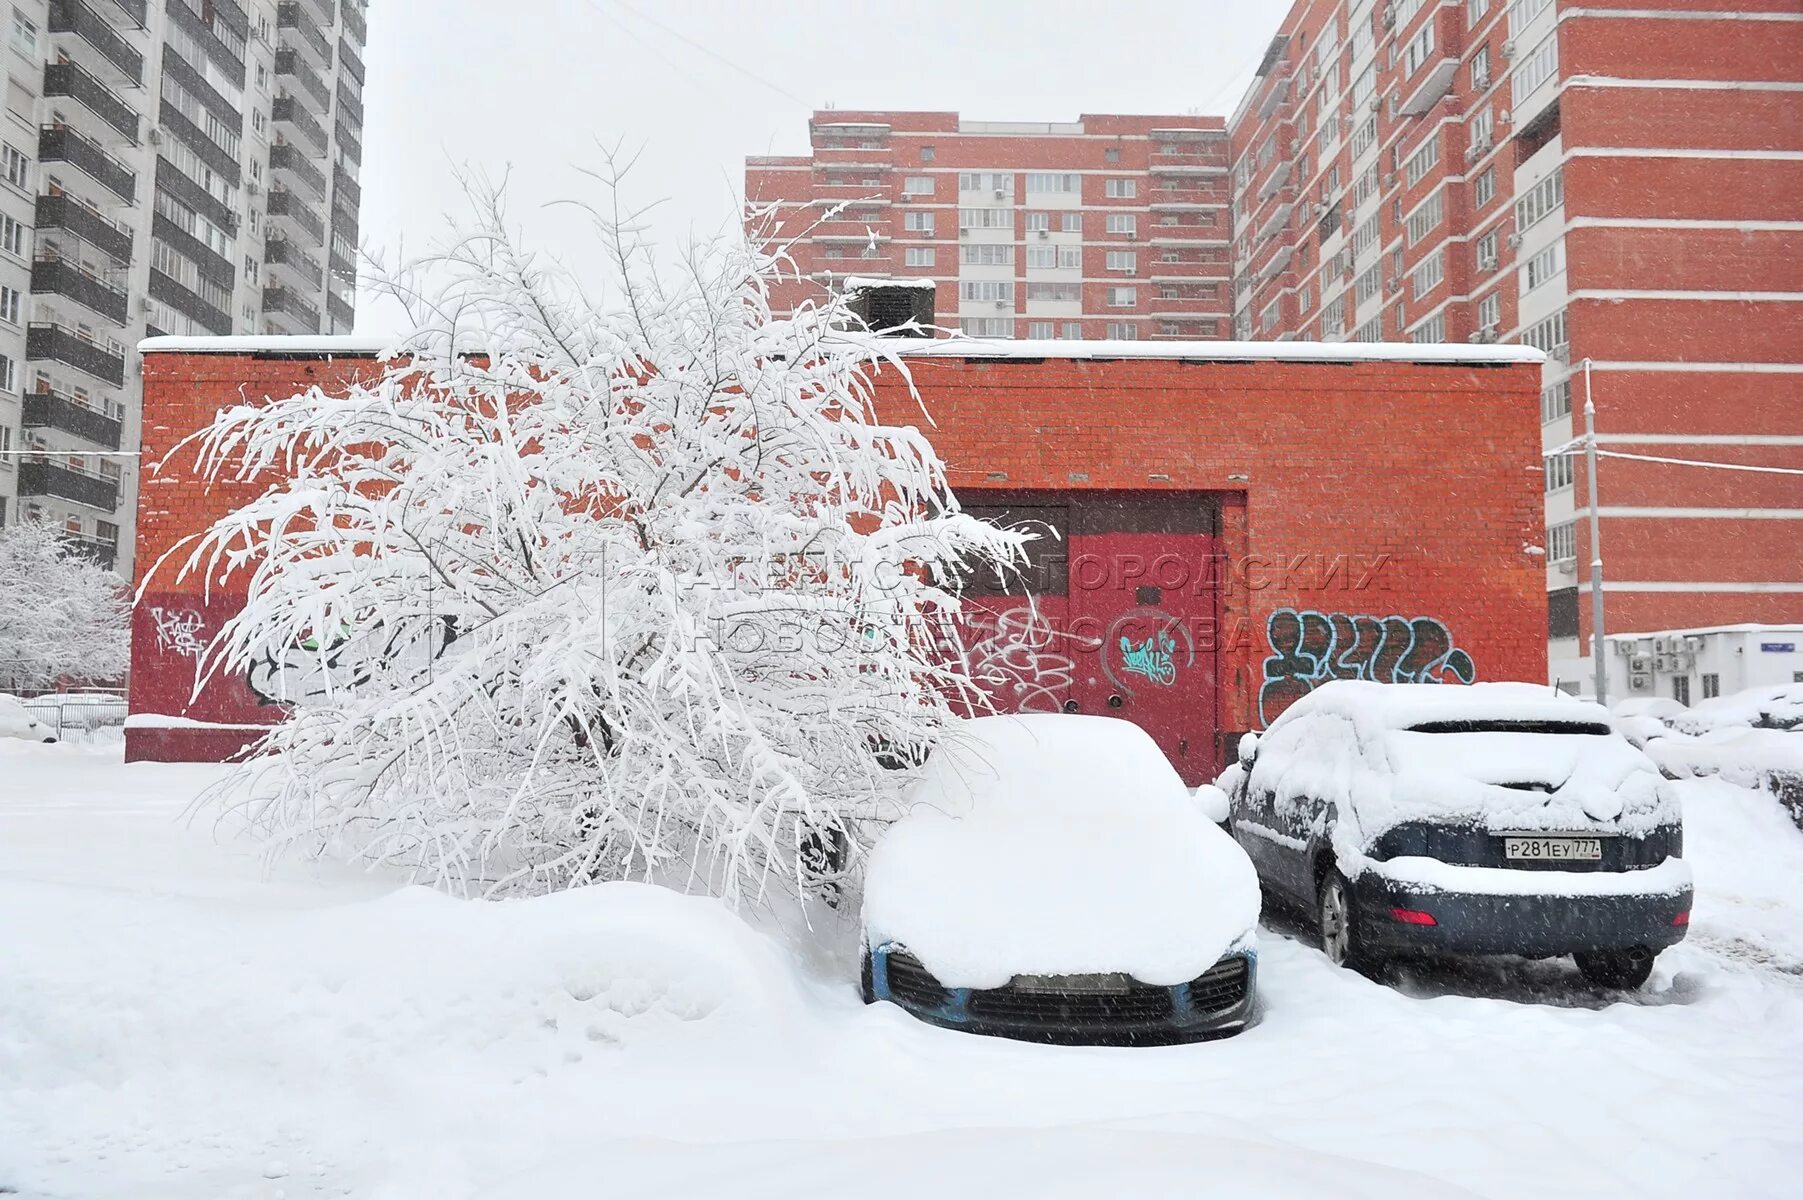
(1057, 844)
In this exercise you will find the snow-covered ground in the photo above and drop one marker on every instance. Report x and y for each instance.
(174, 1024)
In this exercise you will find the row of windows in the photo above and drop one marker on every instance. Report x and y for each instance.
(1422, 161)
(218, 132)
(1535, 203)
(1003, 327)
(1426, 277)
(1427, 217)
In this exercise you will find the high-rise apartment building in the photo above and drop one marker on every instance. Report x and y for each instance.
(182, 167)
(1104, 227)
(1617, 182)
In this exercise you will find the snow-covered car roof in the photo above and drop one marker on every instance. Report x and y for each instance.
(1406, 705)
(1057, 844)
(1774, 706)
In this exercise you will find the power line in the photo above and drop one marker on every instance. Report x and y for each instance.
(716, 56)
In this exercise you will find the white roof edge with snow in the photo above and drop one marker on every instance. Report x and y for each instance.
(1324, 352)
(869, 281)
(1777, 627)
(349, 345)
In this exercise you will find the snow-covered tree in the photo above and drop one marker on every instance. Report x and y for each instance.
(644, 588)
(62, 615)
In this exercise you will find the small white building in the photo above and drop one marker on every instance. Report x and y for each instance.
(1688, 665)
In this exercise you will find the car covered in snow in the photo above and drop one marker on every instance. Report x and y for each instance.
(1494, 818)
(17, 721)
(1053, 880)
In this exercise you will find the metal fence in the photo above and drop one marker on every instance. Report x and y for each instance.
(66, 713)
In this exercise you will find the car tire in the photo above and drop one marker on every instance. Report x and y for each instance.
(1336, 917)
(866, 978)
(1621, 969)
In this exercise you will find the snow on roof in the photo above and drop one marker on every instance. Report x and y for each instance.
(865, 281)
(1743, 628)
(340, 345)
(1321, 352)
(1403, 705)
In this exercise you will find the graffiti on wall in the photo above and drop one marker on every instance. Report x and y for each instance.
(1018, 657)
(1308, 648)
(178, 631)
(314, 670)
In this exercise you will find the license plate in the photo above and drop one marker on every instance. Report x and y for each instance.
(1109, 984)
(1553, 849)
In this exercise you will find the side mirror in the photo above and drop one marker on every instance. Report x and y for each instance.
(1248, 749)
(1213, 803)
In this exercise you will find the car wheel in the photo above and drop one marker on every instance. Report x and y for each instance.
(1338, 922)
(1624, 969)
(866, 978)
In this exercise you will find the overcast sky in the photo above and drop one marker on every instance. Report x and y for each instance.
(535, 86)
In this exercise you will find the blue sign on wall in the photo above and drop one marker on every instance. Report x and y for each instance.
(1778, 647)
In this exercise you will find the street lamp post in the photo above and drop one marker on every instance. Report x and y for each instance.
(1597, 661)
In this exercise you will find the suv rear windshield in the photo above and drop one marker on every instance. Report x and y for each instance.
(1586, 728)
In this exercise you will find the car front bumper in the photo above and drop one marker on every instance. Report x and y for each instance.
(1184, 1012)
(1535, 925)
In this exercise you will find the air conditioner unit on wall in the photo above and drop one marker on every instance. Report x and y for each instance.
(1508, 49)
(1665, 664)
(1639, 681)
(1639, 662)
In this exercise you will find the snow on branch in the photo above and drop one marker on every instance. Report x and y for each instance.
(62, 615)
(644, 588)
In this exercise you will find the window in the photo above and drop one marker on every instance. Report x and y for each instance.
(1123, 331)
(927, 154)
(1040, 330)
(1427, 216)
(1555, 402)
(1489, 312)
(1558, 472)
(1367, 185)
(1073, 222)
(1428, 276)
(1121, 189)
(1480, 69)
(987, 181)
(1483, 189)
(1073, 331)
(917, 185)
(1422, 161)
(1523, 11)
(1113, 154)
(1681, 689)
(918, 222)
(9, 304)
(1370, 331)
(1474, 12)
(1039, 222)
(1537, 67)
(1370, 283)
(1431, 330)
(1486, 252)
(1548, 335)
(1543, 266)
(1042, 257)
(12, 236)
(1561, 543)
(1123, 260)
(1712, 686)
(999, 327)
(987, 255)
(1419, 49)
(1070, 256)
(989, 218)
(1063, 292)
(1365, 136)
(987, 290)
(1122, 297)
(1123, 223)
(17, 166)
(1365, 236)
(1480, 129)
(919, 256)
(25, 35)
(1065, 183)
(1539, 200)
(9, 374)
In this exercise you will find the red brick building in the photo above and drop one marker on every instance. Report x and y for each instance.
(1104, 227)
(1619, 181)
(1234, 524)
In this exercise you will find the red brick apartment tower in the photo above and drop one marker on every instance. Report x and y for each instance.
(1103, 227)
(1619, 181)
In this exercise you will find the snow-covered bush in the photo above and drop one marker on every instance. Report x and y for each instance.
(62, 615)
(645, 588)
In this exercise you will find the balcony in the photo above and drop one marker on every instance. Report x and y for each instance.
(66, 213)
(288, 110)
(290, 64)
(293, 259)
(1436, 81)
(52, 275)
(288, 157)
(342, 314)
(98, 34)
(69, 79)
(1169, 167)
(1279, 174)
(174, 181)
(1279, 219)
(344, 225)
(288, 206)
(103, 554)
(349, 104)
(351, 60)
(291, 16)
(349, 143)
(53, 410)
(185, 300)
(352, 19)
(135, 10)
(289, 301)
(59, 343)
(207, 260)
(346, 189)
(60, 143)
(42, 477)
